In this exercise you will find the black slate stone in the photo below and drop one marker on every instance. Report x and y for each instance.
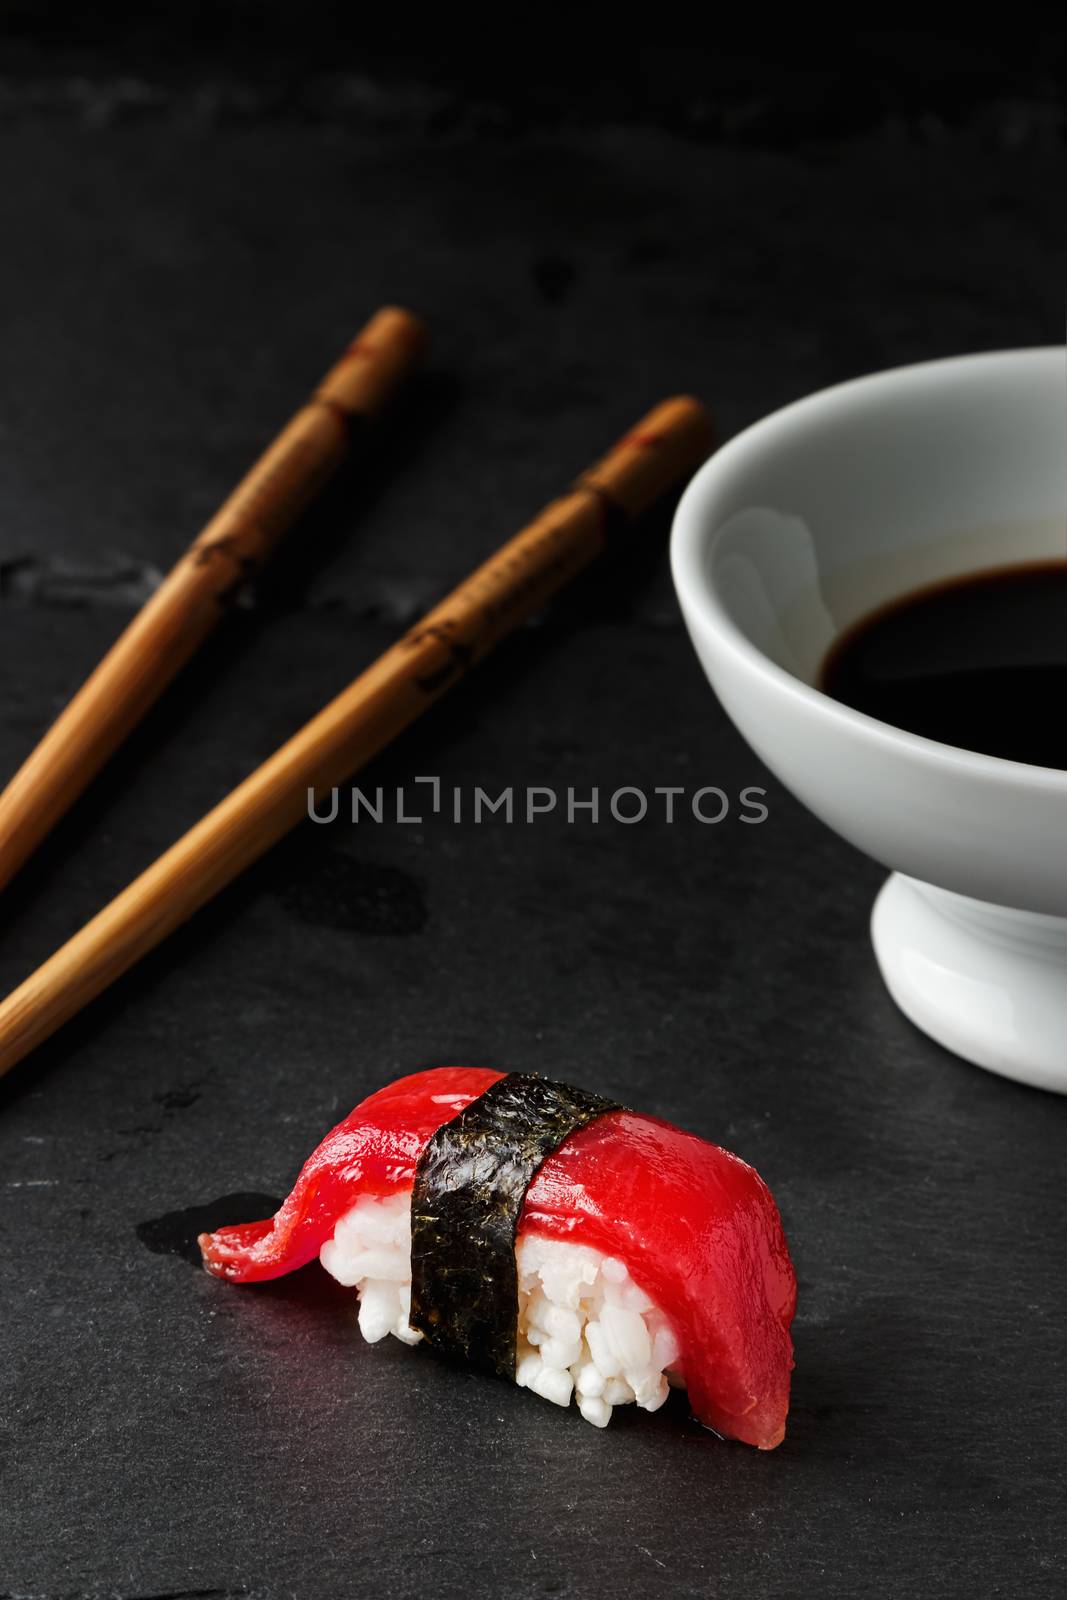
(184, 253)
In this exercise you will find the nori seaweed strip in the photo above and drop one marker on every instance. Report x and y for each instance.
(470, 1185)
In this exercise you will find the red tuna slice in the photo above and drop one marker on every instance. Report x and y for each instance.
(697, 1228)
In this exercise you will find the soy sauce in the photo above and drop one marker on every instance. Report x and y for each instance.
(979, 662)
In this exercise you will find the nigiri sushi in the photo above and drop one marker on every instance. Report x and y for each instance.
(548, 1235)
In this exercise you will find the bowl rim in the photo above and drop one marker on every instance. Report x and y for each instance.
(691, 544)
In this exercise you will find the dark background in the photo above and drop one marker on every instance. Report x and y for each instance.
(198, 210)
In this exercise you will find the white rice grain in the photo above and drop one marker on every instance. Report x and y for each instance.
(585, 1329)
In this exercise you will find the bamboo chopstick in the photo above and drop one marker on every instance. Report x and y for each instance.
(192, 599)
(664, 447)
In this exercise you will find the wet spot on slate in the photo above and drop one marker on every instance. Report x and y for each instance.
(555, 277)
(647, 252)
(176, 1233)
(179, 1099)
(331, 890)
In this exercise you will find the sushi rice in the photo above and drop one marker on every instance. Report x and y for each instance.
(585, 1329)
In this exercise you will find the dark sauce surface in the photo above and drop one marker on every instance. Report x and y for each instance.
(979, 662)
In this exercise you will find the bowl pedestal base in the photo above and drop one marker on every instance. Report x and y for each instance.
(986, 981)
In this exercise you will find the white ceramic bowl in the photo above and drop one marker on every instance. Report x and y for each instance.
(806, 522)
